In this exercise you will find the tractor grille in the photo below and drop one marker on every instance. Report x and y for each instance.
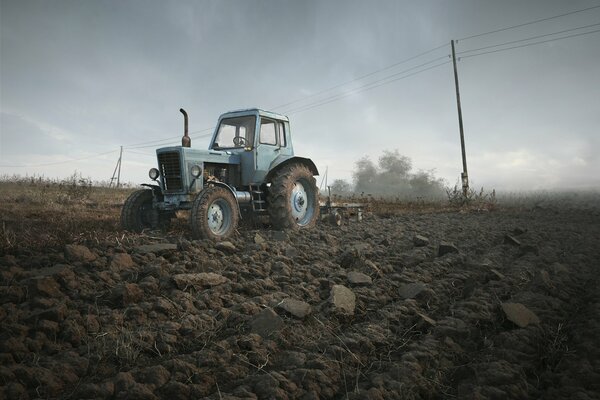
(170, 169)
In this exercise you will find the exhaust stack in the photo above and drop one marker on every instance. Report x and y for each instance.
(186, 141)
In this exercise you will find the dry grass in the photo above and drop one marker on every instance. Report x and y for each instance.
(38, 214)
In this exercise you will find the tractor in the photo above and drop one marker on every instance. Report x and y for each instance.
(249, 171)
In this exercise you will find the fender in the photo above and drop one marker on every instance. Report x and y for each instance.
(231, 190)
(156, 190)
(282, 162)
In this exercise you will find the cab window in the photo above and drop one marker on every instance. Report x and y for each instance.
(281, 127)
(268, 132)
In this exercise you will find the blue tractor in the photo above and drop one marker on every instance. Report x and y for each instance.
(248, 171)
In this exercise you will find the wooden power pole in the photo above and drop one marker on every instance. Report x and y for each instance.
(117, 172)
(464, 176)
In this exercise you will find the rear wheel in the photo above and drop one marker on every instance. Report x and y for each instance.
(293, 198)
(214, 214)
(138, 214)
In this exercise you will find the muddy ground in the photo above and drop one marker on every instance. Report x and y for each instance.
(475, 305)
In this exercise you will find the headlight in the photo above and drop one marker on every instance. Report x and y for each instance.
(153, 174)
(196, 171)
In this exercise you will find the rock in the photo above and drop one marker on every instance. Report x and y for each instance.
(519, 314)
(543, 277)
(156, 248)
(558, 268)
(226, 247)
(446, 248)
(45, 286)
(201, 279)
(75, 252)
(121, 261)
(358, 278)
(127, 293)
(259, 239)
(420, 241)
(342, 299)
(156, 376)
(411, 290)
(280, 236)
(297, 308)
(508, 239)
(519, 231)
(291, 252)
(266, 323)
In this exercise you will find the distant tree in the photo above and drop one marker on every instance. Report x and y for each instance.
(341, 187)
(393, 177)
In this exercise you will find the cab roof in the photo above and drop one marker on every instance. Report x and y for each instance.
(254, 111)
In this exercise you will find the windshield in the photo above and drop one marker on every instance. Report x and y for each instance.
(235, 132)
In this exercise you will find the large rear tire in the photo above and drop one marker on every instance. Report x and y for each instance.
(293, 198)
(214, 214)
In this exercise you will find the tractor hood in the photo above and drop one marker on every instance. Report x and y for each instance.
(189, 155)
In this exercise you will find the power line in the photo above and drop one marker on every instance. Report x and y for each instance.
(366, 87)
(529, 38)
(59, 162)
(531, 44)
(369, 84)
(360, 77)
(528, 23)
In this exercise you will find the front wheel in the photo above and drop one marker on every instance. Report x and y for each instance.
(138, 214)
(214, 214)
(293, 198)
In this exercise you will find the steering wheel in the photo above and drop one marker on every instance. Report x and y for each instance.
(239, 141)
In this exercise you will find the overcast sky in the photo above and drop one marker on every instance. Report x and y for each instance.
(81, 78)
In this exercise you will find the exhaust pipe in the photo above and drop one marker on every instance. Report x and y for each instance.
(186, 141)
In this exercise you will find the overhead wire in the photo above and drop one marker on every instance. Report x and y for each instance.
(527, 39)
(531, 44)
(352, 91)
(59, 162)
(365, 88)
(528, 23)
(281, 106)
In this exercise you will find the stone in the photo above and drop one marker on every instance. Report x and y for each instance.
(127, 293)
(519, 314)
(343, 299)
(508, 239)
(446, 248)
(297, 308)
(280, 236)
(156, 248)
(226, 247)
(544, 278)
(201, 279)
(291, 252)
(121, 261)
(411, 290)
(258, 239)
(45, 286)
(358, 278)
(420, 241)
(76, 252)
(266, 323)
(519, 230)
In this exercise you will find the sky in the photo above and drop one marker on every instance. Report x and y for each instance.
(79, 79)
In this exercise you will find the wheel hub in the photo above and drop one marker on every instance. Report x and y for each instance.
(215, 217)
(299, 201)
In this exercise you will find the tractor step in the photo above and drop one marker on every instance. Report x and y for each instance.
(258, 202)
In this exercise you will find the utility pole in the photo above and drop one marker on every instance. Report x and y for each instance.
(121, 156)
(117, 175)
(464, 175)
